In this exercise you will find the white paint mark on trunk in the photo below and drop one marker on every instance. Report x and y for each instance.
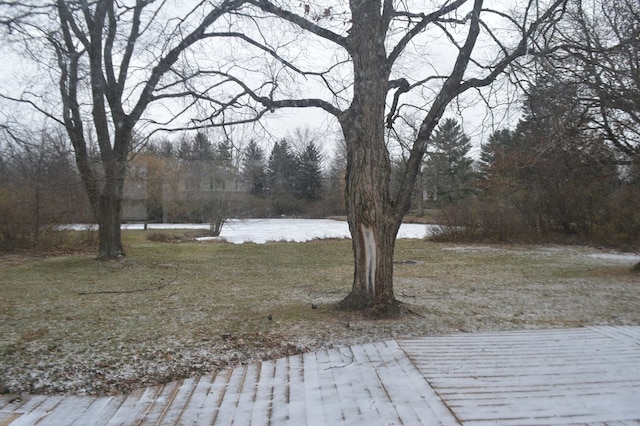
(369, 241)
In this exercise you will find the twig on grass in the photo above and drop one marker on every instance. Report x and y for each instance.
(411, 311)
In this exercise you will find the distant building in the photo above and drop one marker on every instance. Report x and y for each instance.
(183, 196)
(134, 195)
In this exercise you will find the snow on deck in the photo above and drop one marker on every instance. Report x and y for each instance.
(576, 376)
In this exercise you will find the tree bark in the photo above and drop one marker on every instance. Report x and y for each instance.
(373, 221)
(108, 207)
(420, 193)
(108, 216)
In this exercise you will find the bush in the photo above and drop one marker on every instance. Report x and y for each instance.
(619, 222)
(476, 220)
(53, 239)
(175, 235)
(615, 223)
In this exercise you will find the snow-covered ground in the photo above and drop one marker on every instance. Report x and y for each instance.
(260, 231)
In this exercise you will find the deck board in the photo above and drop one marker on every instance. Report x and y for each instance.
(344, 386)
(192, 401)
(37, 411)
(585, 376)
(313, 392)
(578, 376)
(100, 411)
(133, 407)
(175, 405)
(281, 394)
(263, 400)
(68, 410)
(374, 396)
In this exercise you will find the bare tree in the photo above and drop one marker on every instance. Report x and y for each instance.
(598, 49)
(382, 59)
(112, 61)
(39, 186)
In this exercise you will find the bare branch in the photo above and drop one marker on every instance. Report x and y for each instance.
(301, 22)
(33, 105)
(264, 48)
(272, 104)
(425, 20)
(552, 14)
(172, 56)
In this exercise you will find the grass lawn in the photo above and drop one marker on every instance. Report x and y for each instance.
(76, 325)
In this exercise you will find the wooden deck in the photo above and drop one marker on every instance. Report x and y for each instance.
(577, 376)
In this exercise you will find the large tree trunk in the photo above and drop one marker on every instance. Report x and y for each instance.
(420, 193)
(105, 195)
(373, 221)
(373, 243)
(108, 216)
(108, 210)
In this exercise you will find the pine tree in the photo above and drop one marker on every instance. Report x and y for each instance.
(449, 171)
(309, 174)
(201, 148)
(253, 169)
(281, 169)
(224, 154)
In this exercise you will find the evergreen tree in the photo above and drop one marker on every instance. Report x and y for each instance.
(224, 154)
(201, 148)
(253, 169)
(281, 169)
(502, 161)
(166, 150)
(500, 145)
(552, 169)
(226, 174)
(449, 171)
(309, 173)
(184, 150)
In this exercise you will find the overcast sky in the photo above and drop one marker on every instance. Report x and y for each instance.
(471, 112)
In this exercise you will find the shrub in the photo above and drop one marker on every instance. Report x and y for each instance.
(476, 220)
(614, 223)
(163, 237)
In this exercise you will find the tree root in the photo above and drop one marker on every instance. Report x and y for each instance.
(386, 308)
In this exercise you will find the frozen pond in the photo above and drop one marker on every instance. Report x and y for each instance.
(240, 231)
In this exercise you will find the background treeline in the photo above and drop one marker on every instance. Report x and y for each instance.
(194, 179)
(39, 188)
(188, 179)
(553, 178)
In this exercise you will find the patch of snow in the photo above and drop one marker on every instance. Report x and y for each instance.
(618, 257)
(260, 231)
(470, 248)
(294, 230)
(300, 230)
